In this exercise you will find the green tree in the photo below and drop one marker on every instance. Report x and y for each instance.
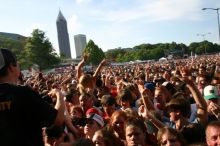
(96, 55)
(39, 50)
(112, 54)
(192, 47)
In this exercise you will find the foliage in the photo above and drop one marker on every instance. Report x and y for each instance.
(156, 51)
(39, 50)
(15, 45)
(96, 55)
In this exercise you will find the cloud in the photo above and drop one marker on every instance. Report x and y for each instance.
(173, 9)
(33, 26)
(83, 1)
(73, 24)
(153, 10)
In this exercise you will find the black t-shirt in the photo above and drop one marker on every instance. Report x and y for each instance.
(22, 115)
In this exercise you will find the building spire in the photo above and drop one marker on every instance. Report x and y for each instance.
(60, 16)
(63, 36)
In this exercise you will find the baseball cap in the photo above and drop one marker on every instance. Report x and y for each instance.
(92, 110)
(149, 86)
(6, 57)
(96, 117)
(210, 92)
(170, 87)
(94, 114)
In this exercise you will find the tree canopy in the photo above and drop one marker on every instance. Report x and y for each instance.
(96, 55)
(155, 51)
(39, 50)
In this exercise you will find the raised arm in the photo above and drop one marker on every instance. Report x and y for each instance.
(199, 100)
(99, 68)
(107, 78)
(145, 94)
(80, 65)
(70, 126)
(60, 106)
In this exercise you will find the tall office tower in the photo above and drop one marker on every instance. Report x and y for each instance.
(80, 44)
(63, 36)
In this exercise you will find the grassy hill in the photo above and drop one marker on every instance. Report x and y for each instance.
(11, 36)
(12, 41)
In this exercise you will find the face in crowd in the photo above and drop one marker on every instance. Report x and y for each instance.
(134, 136)
(98, 139)
(135, 133)
(105, 137)
(159, 99)
(85, 102)
(117, 122)
(91, 127)
(170, 137)
(213, 135)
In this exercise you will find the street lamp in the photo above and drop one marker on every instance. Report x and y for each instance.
(203, 36)
(216, 9)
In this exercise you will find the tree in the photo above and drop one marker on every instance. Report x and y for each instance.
(112, 54)
(96, 55)
(39, 50)
(192, 47)
(155, 51)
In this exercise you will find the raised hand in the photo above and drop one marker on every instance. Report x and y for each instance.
(214, 109)
(86, 56)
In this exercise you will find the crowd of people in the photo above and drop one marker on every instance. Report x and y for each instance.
(173, 103)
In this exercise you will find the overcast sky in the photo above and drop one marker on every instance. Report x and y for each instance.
(115, 23)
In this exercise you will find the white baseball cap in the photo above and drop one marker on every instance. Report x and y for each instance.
(210, 92)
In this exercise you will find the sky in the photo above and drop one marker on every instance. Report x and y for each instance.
(115, 23)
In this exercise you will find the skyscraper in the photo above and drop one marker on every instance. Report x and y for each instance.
(80, 44)
(63, 36)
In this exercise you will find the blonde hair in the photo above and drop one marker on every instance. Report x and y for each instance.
(84, 80)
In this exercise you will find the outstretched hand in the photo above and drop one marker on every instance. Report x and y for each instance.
(86, 56)
(103, 62)
(214, 109)
(186, 80)
(54, 92)
(145, 113)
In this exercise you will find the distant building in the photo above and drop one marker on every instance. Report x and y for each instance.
(80, 44)
(174, 53)
(63, 36)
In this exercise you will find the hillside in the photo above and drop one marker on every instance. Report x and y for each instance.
(12, 36)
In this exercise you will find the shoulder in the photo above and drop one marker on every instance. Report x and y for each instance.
(25, 90)
(5, 87)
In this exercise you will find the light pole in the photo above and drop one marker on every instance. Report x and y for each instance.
(216, 9)
(203, 36)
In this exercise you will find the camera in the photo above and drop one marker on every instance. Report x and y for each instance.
(79, 121)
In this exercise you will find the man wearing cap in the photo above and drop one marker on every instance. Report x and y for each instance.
(22, 111)
(94, 122)
(212, 99)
